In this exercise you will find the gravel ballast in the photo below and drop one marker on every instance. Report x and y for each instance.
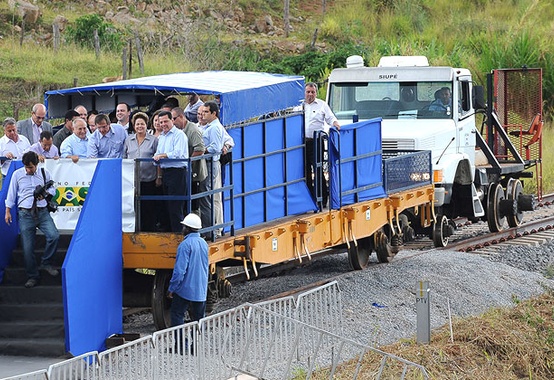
(379, 302)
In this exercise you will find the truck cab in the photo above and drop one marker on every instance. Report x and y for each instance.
(406, 93)
(434, 108)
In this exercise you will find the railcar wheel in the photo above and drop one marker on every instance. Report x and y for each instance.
(383, 247)
(495, 220)
(160, 303)
(440, 231)
(408, 232)
(513, 190)
(358, 256)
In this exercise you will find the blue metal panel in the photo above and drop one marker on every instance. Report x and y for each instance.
(8, 233)
(268, 171)
(93, 267)
(355, 163)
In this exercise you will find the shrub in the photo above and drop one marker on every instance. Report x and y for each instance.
(331, 29)
(82, 33)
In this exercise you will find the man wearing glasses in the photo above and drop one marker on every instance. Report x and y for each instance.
(32, 128)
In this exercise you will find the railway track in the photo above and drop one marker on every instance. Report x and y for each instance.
(469, 237)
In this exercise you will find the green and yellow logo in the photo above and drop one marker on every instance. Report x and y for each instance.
(71, 196)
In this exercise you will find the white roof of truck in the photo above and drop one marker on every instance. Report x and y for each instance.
(396, 74)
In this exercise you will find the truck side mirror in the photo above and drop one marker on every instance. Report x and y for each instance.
(478, 94)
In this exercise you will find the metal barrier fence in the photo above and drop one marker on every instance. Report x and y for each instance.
(80, 367)
(129, 361)
(309, 352)
(321, 307)
(174, 353)
(286, 338)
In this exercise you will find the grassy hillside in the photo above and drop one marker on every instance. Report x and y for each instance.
(477, 34)
(249, 35)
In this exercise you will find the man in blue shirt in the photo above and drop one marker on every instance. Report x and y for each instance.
(45, 147)
(108, 140)
(76, 145)
(214, 138)
(172, 174)
(32, 214)
(442, 102)
(188, 286)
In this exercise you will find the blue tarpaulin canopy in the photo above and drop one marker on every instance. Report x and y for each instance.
(243, 95)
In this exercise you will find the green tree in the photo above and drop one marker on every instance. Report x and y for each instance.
(82, 32)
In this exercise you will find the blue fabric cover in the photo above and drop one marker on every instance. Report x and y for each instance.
(93, 267)
(243, 95)
(355, 163)
(8, 233)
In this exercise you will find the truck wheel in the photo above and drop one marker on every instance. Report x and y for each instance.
(160, 303)
(494, 218)
(440, 231)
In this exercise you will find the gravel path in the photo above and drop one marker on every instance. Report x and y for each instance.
(379, 302)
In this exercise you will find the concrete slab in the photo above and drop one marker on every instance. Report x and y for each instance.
(18, 365)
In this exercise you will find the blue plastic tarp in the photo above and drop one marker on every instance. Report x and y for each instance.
(8, 233)
(92, 273)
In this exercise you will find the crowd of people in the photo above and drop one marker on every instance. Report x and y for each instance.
(163, 139)
(168, 137)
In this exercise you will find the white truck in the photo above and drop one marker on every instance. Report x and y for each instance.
(476, 171)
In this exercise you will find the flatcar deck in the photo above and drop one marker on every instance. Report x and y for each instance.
(289, 238)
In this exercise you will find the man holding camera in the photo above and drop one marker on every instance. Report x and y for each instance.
(33, 189)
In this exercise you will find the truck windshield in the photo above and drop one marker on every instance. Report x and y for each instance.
(391, 100)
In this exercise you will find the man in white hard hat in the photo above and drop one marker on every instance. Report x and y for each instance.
(189, 284)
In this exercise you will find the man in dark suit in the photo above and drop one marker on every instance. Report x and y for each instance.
(33, 127)
(66, 128)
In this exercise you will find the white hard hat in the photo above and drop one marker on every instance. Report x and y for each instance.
(193, 221)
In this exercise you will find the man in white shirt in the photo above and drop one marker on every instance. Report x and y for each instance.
(123, 115)
(317, 116)
(33, 213)
(12, 144)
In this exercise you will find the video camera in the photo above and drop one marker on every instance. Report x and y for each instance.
(42, 193)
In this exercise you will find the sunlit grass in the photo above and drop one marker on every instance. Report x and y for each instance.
(73, 62)
(502, 343)
(547, 162)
